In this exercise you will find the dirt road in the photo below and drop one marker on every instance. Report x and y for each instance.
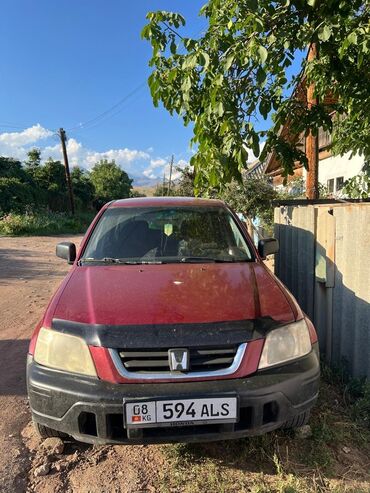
(336, 457)
(29, 274)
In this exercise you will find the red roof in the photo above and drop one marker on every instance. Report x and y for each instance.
(166, 201)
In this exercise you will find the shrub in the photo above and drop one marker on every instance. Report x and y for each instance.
(44, 223)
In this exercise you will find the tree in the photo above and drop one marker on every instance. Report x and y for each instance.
(358, 187)
(185, 184)
(110, 182)
(12, 168)
(15, 195)
(136, 194)
(34, 159)
(253, 198)
(239, 70)
(51, 183)
(83, 188)
(161, 190)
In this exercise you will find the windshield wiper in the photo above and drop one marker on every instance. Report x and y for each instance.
(105, 260)
(140, 262)
(111, 260)
(213, 260)
(203, 259)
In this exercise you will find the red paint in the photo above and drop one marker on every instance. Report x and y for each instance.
(170, 293)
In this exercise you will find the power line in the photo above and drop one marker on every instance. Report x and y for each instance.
(107, 113)
(8, 125)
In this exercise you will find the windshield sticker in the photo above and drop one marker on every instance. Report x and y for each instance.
(168, 229)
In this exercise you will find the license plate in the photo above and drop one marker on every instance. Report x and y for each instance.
(139, 414)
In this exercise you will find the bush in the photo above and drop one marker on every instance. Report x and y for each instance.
(14, 195)
(44, 223)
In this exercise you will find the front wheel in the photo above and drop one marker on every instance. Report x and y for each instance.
(297, 421)
(46, 432)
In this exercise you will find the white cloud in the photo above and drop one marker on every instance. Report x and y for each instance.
(159, 167)
(141, 164)
(79, 155)
(157, 163)
(28, 136)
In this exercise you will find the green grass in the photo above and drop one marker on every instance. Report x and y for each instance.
(334, 459)
(44, 223)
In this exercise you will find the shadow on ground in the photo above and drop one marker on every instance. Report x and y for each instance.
(24, 264)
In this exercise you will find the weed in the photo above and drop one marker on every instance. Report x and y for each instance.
(356, 391)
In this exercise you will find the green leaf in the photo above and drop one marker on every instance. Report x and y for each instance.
(204, 59)
(173, 48)
(263, 53)
(186, 85)
(256, 145)
(219, 108)
(265, 107)
(218, 80)
(352, 38)
(325, 33)
(261, 75)
(229, 61)
(190, 61)
(172, 75)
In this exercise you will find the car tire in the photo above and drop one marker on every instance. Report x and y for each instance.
(46, 432)
(297, 421)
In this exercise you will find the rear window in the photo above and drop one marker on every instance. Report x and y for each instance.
(162, 234)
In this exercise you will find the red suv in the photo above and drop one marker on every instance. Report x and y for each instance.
(169, 327)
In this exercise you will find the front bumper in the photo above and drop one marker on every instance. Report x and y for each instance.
(91, 410)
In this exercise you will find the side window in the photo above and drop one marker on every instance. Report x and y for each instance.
(340, 183)
(238, 238)
(330, 185)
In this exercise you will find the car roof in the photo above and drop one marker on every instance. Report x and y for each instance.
(166, 201)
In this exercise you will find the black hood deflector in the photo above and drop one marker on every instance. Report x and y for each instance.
(168, 335)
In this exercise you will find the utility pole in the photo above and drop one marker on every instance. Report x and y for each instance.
(164, 183)
(312, 141)
(169, 182)
(63, 138)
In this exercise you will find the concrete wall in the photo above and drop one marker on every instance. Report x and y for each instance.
(324, 260)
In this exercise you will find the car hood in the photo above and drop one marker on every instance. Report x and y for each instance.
(171, 293)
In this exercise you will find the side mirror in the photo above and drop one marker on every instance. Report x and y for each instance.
(268, 246)
(66, 250)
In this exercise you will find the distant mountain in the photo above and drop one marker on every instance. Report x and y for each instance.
(143, 181)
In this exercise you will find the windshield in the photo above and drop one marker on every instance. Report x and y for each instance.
(162, 234)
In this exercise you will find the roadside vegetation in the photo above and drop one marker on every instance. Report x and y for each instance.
(34, 198)
(333, 458)
(44, 223)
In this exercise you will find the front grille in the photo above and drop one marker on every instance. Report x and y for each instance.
(156, 361)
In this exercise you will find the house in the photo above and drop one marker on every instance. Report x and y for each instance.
(333, 171)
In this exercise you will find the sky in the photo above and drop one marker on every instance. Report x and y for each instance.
(82, 65)
(65, 63)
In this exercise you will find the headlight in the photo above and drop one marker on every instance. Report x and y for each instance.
(285, 343)
(63, 352)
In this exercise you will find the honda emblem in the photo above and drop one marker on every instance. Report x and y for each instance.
(178, 359)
